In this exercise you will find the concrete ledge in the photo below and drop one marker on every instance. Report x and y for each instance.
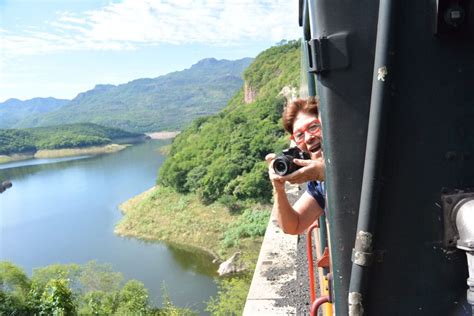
(275, 268)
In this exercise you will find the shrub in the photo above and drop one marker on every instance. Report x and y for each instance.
(251, 223)
(231, 297)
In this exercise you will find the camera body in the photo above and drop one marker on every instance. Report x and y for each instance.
(283, 164)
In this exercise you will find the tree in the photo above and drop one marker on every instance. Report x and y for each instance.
(57, 298)
(231, 296)
(71, 272)
(169, 309)
(133, 298)
(14, 288)
(100, 303)
(100, 277)
(13, 279)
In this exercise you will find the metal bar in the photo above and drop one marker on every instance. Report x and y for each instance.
(309, 250)
(323, 237)
(363, 249)
(306, 37)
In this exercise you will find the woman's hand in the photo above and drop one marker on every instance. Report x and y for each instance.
(277, 181)
(311, 170)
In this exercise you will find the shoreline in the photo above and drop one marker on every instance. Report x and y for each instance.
(126, 206)
(71, 152)
(15, 157)
(64, 152)
(161, 215)
(163, 134)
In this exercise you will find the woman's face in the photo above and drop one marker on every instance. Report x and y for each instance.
(307, 135)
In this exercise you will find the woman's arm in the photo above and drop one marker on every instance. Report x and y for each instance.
(295, 219)
(292, 219)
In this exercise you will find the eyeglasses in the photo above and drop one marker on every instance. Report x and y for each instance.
(313, 127)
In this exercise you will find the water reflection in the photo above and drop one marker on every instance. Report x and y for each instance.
(30, 162)
(194, 259)
(22, 169)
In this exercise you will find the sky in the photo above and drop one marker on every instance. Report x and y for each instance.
(59, 48)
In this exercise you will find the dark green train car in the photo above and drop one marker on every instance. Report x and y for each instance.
(396, 85)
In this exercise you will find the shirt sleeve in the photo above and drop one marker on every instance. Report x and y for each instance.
(316, 190)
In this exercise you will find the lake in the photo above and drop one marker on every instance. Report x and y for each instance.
(64, 211)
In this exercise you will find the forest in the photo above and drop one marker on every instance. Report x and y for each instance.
(72, 289)
(221, 157)
(30, 140)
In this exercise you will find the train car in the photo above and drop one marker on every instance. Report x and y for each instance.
(396, 85)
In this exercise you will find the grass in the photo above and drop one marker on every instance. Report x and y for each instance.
(68, 152)
(5, 159)
(14, 157)
(161, 214)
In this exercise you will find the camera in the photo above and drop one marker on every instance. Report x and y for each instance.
(283, 164)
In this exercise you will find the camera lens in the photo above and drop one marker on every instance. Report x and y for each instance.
(280, 165)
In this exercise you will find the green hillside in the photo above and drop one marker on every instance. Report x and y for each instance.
(168, 102)
(222, 156)
(13, 141)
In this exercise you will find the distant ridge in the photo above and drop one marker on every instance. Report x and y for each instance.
(13, 111)
(167, 102)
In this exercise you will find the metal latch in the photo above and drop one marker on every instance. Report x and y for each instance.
(327, 53)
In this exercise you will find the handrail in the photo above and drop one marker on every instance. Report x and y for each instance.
(309, 250)
(316, 304)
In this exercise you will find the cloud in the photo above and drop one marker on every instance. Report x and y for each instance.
(130, 24)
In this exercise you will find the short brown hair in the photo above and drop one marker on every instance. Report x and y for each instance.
(309, 106)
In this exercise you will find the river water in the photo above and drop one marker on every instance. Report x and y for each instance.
(65, 210)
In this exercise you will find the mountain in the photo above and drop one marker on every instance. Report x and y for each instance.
(13, 111)
(167, 102)
(221, 157)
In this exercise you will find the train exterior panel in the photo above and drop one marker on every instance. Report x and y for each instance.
(396, 84)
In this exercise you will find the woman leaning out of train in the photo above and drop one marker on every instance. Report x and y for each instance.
(301, 120)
